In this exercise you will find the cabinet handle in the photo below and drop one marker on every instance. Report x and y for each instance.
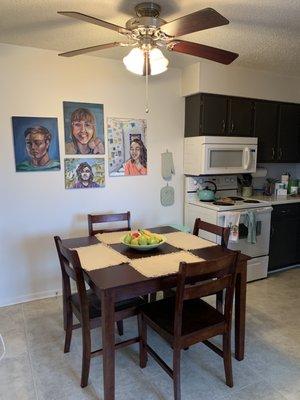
(223, 126)
(273, 153)
(232, 127)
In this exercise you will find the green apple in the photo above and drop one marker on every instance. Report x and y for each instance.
(143, 241)
(135, 242)
(153, 240)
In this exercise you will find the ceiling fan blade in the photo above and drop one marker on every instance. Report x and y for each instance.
(95, 21)
(200, 50)
(89, 49)
(197, 21)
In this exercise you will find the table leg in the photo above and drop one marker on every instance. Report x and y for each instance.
(240, 312)
(108, 342)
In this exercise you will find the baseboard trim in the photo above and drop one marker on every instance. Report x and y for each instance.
(283, 269)
(31, 297)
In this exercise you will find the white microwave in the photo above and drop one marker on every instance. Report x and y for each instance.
(210, 155)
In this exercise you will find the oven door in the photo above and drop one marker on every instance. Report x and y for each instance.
(229, 158)
(263, 222)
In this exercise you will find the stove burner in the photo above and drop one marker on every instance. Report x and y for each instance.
(251, 201)
(235, 198)
(222, 203)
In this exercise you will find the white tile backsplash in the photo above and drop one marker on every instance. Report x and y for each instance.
(275, 171)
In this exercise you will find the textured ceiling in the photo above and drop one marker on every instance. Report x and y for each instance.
(266, 33)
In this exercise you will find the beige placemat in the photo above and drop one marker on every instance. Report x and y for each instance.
(111, 237)
(186, 241)
(162, 265)
(99, 256)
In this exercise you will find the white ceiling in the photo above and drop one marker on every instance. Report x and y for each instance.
(266, 33)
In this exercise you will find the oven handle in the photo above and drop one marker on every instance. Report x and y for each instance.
(256, 210)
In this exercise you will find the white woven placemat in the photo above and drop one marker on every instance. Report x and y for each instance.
(111, 237)
(162, 265)
(186, 241)
(99, 256)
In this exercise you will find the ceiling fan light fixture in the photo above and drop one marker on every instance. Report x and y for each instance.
(135, 60)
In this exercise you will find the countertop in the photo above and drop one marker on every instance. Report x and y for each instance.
(275, 200)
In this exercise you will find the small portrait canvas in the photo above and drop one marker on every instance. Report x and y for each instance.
(84, 173)
(127, 151)
(36, 144)
(84, 128)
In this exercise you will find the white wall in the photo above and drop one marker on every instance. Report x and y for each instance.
(231, 80)
(35, 206)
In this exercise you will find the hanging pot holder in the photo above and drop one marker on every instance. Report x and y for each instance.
(167, 196)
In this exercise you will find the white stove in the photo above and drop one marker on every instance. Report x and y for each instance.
(216, 213)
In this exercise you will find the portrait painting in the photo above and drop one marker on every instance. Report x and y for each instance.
(127, 151)
(36, 144)
(84, 173)
(84, 128)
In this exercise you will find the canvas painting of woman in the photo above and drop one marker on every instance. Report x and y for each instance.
(127, 151)
(84, 131)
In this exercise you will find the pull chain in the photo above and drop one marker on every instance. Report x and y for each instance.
(147, 83)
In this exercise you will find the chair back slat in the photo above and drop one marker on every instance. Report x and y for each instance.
(208, 267)
(213, 276)
(211, 228)
(105, 218)
(71, 268)
(206, 289)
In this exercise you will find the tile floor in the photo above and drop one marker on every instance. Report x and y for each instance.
(35, 368)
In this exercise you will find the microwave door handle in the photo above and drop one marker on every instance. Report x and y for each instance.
(246, 162)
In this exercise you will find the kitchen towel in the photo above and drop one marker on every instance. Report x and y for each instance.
(167, 165)
(250, 223)
(232, 221)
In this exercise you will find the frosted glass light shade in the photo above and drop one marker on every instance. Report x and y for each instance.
(134, 61)
(158, 62)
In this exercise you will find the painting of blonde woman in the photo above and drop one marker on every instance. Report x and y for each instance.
(84, 132)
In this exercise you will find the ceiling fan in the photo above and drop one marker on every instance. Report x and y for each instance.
(147, 33)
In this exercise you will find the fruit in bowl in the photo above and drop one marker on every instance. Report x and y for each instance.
(143, 240)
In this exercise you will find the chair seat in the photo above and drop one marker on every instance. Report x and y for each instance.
(95, 304)
(197, 315)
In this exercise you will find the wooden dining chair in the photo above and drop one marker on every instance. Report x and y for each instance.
(186, 319)
(86, 306)
(223, 233)
(94, 219)
(211, 228)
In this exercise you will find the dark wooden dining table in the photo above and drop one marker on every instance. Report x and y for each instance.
(121, 282)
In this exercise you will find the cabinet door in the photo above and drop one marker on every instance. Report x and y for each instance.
(285, 236)
(192, 115)
(289, 133)
(213, 115)
(240, 121)
(265, 129)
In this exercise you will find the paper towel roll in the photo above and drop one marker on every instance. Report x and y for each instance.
(260, 172)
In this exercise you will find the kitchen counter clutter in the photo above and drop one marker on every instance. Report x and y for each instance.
(274, 200)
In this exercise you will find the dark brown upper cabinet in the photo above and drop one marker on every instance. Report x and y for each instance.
(266, 115)
(240, 117)
(217, 115)
(213, 111)
(289, 133)
(275, 124)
